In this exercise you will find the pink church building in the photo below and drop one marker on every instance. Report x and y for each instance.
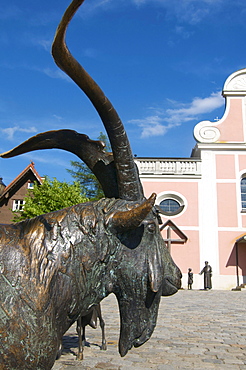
(202, 199)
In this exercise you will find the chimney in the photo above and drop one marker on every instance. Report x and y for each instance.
(2, 186)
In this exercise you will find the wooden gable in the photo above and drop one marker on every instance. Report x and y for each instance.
(14, 193)
(172, 232)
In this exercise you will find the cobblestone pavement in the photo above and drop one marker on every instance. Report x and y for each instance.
(195, 330)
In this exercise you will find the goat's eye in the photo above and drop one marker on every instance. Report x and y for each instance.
(151, 228)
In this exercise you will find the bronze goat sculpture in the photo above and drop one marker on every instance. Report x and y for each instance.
(54, 267)
(90, 319)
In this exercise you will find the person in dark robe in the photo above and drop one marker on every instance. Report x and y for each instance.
(190, 278)
(207, 271)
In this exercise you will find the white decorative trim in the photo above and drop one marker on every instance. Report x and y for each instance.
(205, 132)
(239, 176)
(208, 212)
(238, 83)
(235, 84)
(181, 167)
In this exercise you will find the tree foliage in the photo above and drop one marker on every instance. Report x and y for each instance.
(88, 181)
(51, 195)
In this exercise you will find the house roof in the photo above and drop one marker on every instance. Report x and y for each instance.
(242, 239)
(31, 168)
(176, 229)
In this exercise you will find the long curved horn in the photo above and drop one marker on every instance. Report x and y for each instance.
(89, 151)
(129, 184)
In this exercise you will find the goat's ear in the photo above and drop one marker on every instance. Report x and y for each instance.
(155, 270)
(132, 218)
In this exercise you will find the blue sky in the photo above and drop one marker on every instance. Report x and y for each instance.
(162, 63)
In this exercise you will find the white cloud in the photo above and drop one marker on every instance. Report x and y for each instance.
(90, 7)
(46, 44)
(140, 2)
(151, 126)
(47, 158)
(10, 131)
(185, 11)
(58, 118)
(190, 11)
(162, 121)
(28, 39)
(52, 73)
(181, 31)
(196, 107)
(55, 73)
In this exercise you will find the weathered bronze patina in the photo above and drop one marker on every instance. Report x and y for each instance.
(54, 267)
(93, 314)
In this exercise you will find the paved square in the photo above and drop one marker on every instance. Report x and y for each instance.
(195, 330)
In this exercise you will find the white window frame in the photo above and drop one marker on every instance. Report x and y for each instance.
(175, 196)
(243, 208)
(18, 205)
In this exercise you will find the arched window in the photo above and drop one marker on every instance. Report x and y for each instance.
(170, 206)
(170, 203)
(243, 193)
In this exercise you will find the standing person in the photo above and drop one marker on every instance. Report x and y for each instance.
(207, 271)
(190, 278)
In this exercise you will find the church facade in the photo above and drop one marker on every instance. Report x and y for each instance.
(202, 199)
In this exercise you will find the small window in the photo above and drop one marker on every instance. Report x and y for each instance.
(170, 207)
(30, 185)
(18, 205)
(243, 194)
(171, 203)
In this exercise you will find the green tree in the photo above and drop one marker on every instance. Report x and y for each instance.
(51, 195)
(88, 181)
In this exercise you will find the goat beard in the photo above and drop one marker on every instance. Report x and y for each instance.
(137, 320)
